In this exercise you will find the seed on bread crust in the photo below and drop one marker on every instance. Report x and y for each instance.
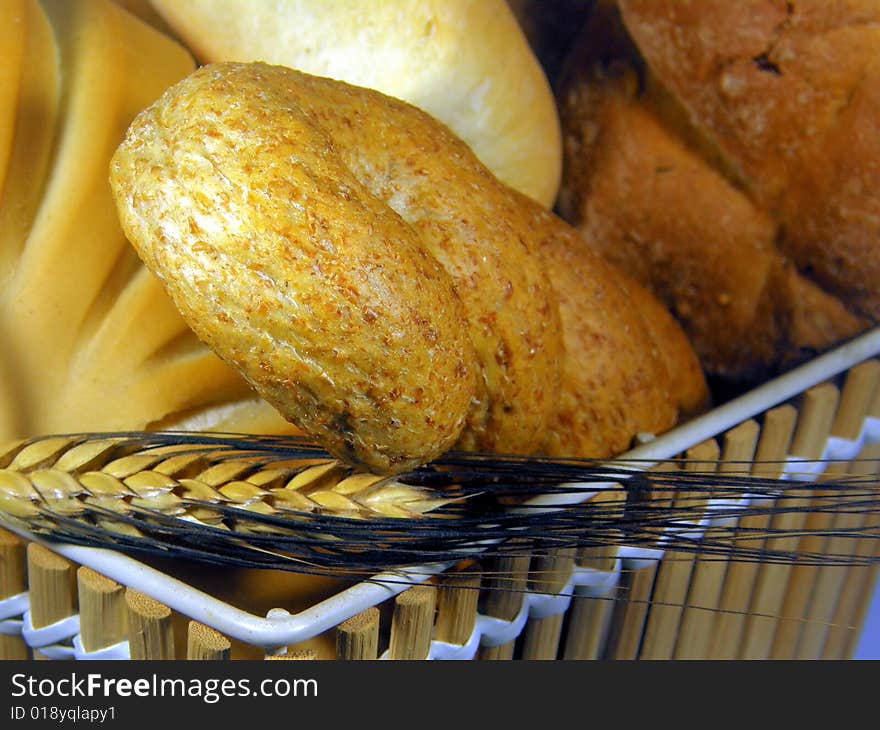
(283, 263)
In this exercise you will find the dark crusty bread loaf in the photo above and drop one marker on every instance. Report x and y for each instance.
(627, 366)
(723, 153)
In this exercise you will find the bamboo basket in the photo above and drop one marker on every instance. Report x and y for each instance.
(72, 602)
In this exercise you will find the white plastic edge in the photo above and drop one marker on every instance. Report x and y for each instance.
(443, 651)
(11, 627)
(47, 639)
(592, 583)
(115, 651)
(11, 612)
(14, 605)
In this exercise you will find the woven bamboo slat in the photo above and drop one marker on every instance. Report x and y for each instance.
(866, 594)
(739, 583)
(827, 589)
(51, 586)
(707, 579)
(204, 643)
(634, 598)
(630, 612)
(506, 579)
(797, 608)
(412, 624)
(856, 589)
(801, 578)
(858, 393)
(870, 576)
(12, 582)
(815, 417)
(457, 606)
(102, 610)
(549, 574)
(589, 617)
(358, 637)
(151, 635)
(674, 572)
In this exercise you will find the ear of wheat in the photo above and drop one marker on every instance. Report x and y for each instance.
(284, 503)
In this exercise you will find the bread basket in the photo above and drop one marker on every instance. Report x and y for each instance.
(622, 601)
(634, 602)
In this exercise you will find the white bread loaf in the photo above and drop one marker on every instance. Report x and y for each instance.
(90, 340)
(465, 62)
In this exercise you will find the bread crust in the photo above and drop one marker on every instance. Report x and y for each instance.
(465, 62)
(685, 165)
(280, 260)
(627, 369)
(477, 228)
(254, 190)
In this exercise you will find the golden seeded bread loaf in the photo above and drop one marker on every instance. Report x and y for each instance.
(250, 189)
(627, 366)
(465, 62)
(90, 339)
(280, 260)
(693, 133)
(473, 226)
(504, 254)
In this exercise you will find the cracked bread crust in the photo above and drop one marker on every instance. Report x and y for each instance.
(790, 92)
(719, 153)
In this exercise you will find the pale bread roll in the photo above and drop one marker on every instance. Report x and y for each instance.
(90, 340)
(466, 62)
